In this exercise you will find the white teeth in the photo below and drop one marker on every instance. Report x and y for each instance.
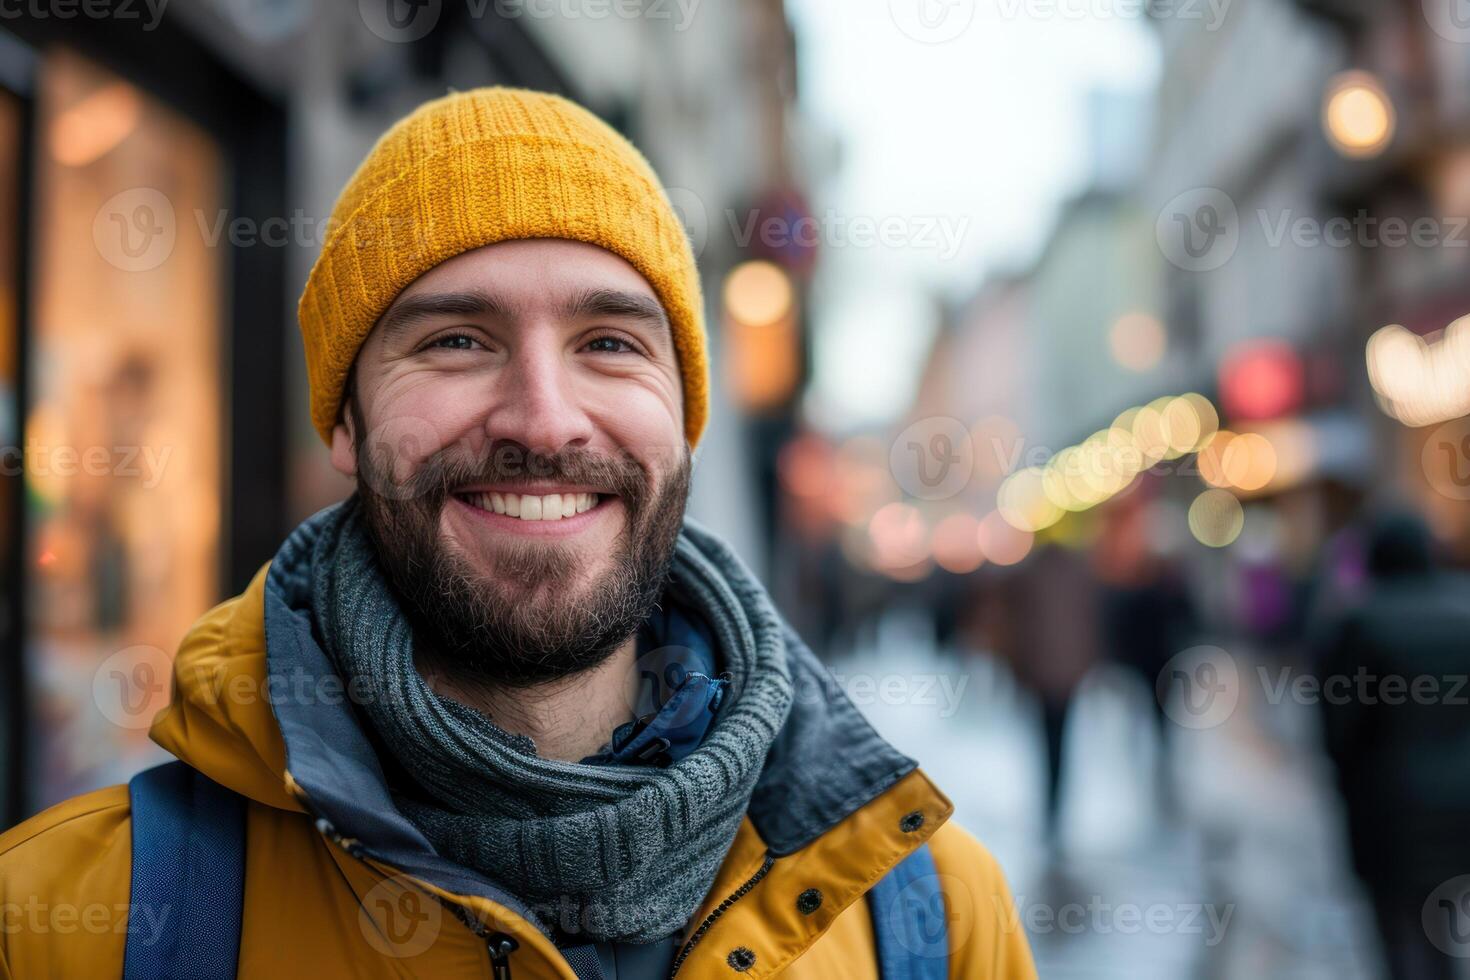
(528, 507)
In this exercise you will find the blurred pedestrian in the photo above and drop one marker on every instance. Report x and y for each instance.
(1053, 641)
(1147, 615)
(1398, 730)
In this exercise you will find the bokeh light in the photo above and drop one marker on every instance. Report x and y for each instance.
(1249, 462)
(1023, 501)
(1245, 461)
(1357, 115)
(956, 544)
(1421, 380)
(758, 293)
(1137, 341)
(1001, 542)
(899, 536)
(1216, 518)
(1261, 379)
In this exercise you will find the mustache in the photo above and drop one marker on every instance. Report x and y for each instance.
(512, 465)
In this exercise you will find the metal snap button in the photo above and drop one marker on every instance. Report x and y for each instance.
(740, 959)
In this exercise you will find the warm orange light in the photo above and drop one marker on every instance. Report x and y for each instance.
(91, 128)
(1249, 461)
(1212, 458)
(1358, 115)
(758, 294)
(1244, 461)
(762, 344)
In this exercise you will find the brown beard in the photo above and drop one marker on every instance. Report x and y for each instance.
(528, 622)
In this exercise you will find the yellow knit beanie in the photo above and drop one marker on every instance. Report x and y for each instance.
(485, 166)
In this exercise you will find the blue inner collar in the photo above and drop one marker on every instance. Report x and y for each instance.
(679, 691)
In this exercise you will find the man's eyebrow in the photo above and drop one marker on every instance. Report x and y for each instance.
(406, 313)
(617, 303)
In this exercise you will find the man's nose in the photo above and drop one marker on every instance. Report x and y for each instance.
(537, 403)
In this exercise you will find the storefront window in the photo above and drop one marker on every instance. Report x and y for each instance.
(122, 435)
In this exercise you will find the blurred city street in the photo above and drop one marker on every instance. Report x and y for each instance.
(1249, 878)
(1090, 389)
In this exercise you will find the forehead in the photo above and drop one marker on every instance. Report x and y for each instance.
(531, 274)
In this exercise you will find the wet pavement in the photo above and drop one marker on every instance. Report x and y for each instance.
(1246, 876)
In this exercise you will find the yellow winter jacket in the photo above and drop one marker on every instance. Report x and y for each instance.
(314, 910)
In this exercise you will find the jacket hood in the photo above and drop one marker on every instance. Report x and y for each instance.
(258, 707)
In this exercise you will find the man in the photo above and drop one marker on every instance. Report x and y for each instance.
(1393, 671)
(572, 736)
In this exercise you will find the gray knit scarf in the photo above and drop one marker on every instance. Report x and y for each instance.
(607, 852)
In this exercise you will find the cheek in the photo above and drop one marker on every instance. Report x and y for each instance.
(416, 420)
(641, 420)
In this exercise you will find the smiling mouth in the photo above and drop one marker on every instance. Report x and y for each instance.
(532, 507)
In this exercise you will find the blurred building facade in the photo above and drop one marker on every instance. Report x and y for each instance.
(1294, 186)
(217, 137)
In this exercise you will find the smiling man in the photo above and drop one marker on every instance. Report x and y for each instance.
(505, 711)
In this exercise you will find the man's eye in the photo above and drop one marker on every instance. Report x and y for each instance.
(609, 345)
(453, 341)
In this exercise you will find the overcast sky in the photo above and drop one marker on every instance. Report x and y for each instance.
(963, 125)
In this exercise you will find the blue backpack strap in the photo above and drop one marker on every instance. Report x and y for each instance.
(910, 921)
(188, 878)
